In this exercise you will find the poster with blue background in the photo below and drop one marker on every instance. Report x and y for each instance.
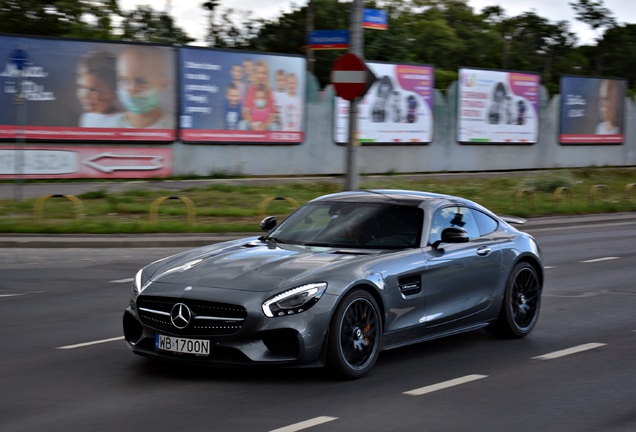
(76, 90)
(592, 110)
(241, 97)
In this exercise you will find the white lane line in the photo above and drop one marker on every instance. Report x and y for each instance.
(122, 280)
(91, 343)
(573, 350)
(305, 424)
(444, 385)
(22, 294)
(548, 267)
(600, 259)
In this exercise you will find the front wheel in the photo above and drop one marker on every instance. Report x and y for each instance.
(354, 336)
(521, 303)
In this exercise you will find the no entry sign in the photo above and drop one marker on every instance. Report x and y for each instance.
(351, 77)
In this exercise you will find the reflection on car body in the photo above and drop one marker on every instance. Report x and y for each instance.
(342, 278)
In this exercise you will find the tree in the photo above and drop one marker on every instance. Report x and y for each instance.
(619, 52)
(593, 13)
(37, 17)
(145, 24)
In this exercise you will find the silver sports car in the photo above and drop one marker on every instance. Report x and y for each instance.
(342, 278)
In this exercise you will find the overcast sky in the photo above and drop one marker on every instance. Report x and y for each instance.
(192, 18)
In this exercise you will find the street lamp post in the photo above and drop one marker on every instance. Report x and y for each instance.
(506, 51)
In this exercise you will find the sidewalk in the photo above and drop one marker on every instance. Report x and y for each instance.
(199, 239)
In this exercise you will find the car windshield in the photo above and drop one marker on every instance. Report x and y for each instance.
(354, 224)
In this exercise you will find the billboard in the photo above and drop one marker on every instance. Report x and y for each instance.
(241, 97)
(497, 107)
(592, 110)
(86, 91)
(397, 109)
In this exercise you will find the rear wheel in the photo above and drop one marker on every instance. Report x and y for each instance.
(521, 303)
(354, 336)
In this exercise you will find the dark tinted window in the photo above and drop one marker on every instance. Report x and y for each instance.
(352, 224)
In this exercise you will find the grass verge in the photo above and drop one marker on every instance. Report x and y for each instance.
(227, 207)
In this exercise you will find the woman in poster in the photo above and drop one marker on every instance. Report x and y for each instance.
(608, 106)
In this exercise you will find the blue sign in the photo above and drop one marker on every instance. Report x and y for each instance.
(375, 19)
(19, 58)
(328, 39)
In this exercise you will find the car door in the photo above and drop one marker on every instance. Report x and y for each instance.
(460, 278)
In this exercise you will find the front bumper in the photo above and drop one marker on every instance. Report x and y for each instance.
(298, 340)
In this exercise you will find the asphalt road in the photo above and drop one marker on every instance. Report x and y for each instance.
(64, 366)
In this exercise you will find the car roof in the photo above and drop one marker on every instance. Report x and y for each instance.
(402, 197)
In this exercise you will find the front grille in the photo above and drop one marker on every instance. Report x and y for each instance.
(208, 318)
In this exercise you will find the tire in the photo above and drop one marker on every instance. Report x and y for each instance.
(354, 336)
(521, 303)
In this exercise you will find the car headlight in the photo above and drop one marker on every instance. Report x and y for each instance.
(294, 301)
(138, 284)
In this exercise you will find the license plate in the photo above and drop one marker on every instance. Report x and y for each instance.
(181, 345)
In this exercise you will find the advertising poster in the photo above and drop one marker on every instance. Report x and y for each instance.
(241, 97)
(397, 109)
(85, 162)
(592, 110)
(497, 107)
(87, 91)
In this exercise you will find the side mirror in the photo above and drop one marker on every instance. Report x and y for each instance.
(268, 223)
(454, 235)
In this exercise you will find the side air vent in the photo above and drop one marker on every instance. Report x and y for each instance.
(410, 285)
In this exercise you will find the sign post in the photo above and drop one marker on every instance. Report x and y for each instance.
(19, 58)
(350, 74)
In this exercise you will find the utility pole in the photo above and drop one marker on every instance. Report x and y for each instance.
(356, 46)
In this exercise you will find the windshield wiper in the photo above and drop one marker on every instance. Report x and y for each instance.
(272, 239)
(318, 244)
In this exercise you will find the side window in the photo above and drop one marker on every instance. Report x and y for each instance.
(455, 216)
(485, 223)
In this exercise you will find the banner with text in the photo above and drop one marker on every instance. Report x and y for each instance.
(592, 110)
(397, 109)
(497, 107)
(241, 97)
(85, 162)
(86, 91)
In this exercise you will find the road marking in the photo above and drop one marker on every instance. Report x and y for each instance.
(573, 350)
(122, 280)
(444, 385)
(305, 424)
(91, 343)
(600, 259)
(548, 267)
(22, 294)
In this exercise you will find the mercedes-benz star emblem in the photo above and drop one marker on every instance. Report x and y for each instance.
(180, 315)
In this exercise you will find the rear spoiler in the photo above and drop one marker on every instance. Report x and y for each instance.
(513, 219)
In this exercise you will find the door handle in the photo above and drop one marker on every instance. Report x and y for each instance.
(483, 251)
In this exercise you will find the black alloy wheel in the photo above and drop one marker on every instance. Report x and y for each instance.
(354, 336)
(522, 302)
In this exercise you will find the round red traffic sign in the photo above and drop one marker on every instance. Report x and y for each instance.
(350, 76)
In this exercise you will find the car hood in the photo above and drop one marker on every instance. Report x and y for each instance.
(253, 265)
